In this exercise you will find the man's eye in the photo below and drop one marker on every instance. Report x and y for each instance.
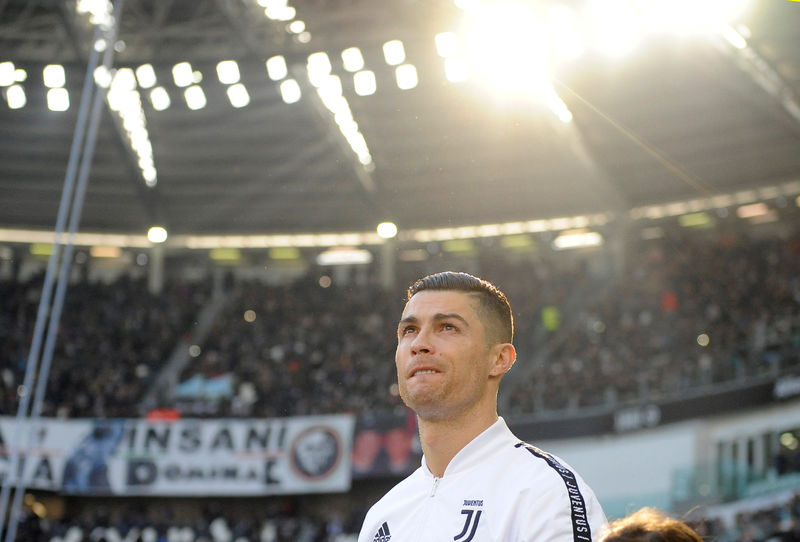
(407, 330)
(449, 327)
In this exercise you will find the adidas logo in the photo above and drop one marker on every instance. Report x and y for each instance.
(383, 534)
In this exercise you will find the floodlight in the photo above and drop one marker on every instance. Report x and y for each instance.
(102, 77)
(238, 95)
(335, 103)
(549, 95)
(99, 10)
(365, 83)
(693, 15)
(352, 59)
(577, 239)
(732, 36)
(346, 125)
(157, 234)
(330, 86)
(140, 142)
(20, 75)
(455, 70)
(276, 68)
(145, 162)
(280, 13)
(564, 36)
(290, 91)
(406, 75)
(54, 76)
(228, 72)
(617, 28)
(149, 175)
(394, 52)
(446, 44)
(357, 143)
(562, 111)
(105, 251)
(297, 27)
(319, 67)
(146, 76)
(195, 97)
(387, 230)
(752, 210)
(15, 96)
(506, 45)
(182, 74)
(124, 79)
(7, 72)
(344, 256)
(159, 98)
(57, 99)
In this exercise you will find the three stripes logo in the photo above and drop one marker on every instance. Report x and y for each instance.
(383, 534)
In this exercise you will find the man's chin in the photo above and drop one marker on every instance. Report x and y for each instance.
(426, 407)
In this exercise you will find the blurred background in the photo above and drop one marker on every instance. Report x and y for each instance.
(200, 344)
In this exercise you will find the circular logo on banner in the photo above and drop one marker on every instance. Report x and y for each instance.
(316, 452)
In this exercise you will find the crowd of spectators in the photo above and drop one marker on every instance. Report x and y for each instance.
(314, 348)
(686, 313)
(283, 522)
(298, 349)
(779, 522)
(279, 520)
(112, 340)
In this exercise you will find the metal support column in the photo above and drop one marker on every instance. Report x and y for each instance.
(81, 153)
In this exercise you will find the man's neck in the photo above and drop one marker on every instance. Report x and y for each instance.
(442, 440)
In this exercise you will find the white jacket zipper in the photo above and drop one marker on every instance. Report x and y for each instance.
(435, 485)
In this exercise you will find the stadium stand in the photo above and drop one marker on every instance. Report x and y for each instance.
(281, 522)
(688, 313)
(113, 337)
(306, 349)
(668, 325)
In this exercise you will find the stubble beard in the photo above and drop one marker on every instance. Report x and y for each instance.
(434, 406)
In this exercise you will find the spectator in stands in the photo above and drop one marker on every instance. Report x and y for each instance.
(649, 525)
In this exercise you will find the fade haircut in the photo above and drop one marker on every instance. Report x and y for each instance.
(494, 310)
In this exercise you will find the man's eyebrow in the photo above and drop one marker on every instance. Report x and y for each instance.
(451, 315)
(411, 319)
(407, 320)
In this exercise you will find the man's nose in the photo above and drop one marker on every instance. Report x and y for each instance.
(421, 343)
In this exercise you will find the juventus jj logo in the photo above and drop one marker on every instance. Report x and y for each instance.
(470, 525)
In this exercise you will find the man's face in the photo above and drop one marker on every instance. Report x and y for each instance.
(443, 361)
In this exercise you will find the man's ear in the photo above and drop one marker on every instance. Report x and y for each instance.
(504, 357)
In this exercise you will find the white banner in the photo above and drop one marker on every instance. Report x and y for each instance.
(183, 457)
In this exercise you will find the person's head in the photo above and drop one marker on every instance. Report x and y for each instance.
(649, 525)
(453, 345)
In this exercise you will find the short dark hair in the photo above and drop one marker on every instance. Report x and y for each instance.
(649, 525)
(493, 306)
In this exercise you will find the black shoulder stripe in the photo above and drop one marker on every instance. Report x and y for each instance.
(581, 531)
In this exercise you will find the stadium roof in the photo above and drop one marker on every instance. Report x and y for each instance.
(678, 116)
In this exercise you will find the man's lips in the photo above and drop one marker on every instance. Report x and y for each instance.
(422, 371)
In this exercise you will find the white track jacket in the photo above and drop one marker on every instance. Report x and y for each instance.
(497, 488)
